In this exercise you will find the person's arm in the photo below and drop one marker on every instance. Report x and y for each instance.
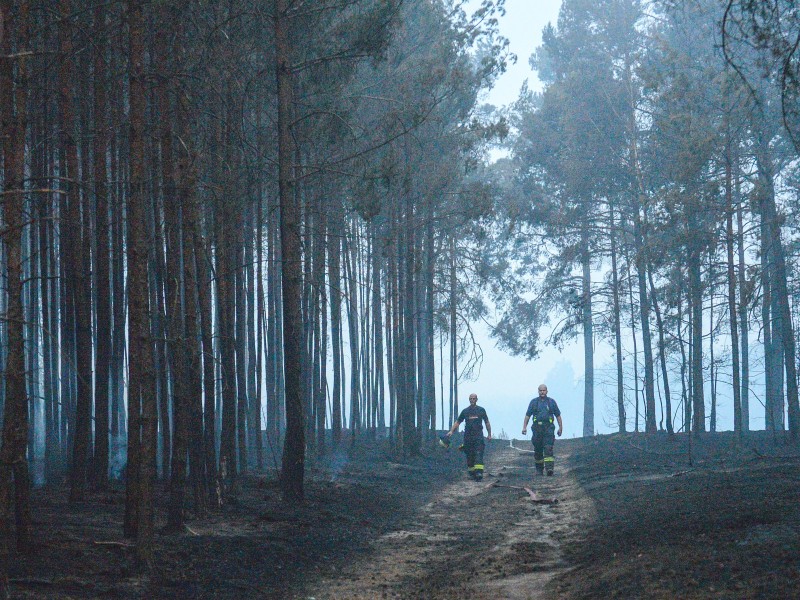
(488, 429)
(525, 424)
(453, 428)
(560, 425)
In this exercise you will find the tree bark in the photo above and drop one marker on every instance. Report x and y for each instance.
(334, 276)
(76, 265)
(293, 467)
(588, 338)
(784, 333)
(103, 224)
(142, 413)
(617, 308)
(13, 459)
(744, 302)
(734, 327)
(696, 300)
(662, 352)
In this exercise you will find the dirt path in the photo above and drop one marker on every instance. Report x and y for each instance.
(480, 539)
(635, 519)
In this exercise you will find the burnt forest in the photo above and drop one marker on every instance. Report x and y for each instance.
(257, 255)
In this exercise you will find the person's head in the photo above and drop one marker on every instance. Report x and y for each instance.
(542, 390)
(473, 399)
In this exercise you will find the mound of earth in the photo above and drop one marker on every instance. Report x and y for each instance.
(625, 516)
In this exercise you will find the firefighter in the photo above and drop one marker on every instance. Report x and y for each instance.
(473, 417)
(542, 410)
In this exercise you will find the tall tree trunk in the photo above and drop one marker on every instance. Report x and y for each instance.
(13, 123)
(617, 308)
(226, 334)
(588, 338)
(784, 332)
(353, 311)
(635, 346)
(662, 352)
(696, 300)
(644, 309)
(428, 367)
(685, 389)
(712, 370)
(119, 429)
(158, 326)
(407, 336)
(49, 341)
(274, 362)
(76, 265)
(102, 282)
(734, 327)
(453, 332)
(186, 181)
(203, 289)
(242, 361)
(744, 302)
(334, 276)
(772, 372)
(142, 413)
(261, 339)
(320, 323)
(377, 328)
(293, 468)
(253, 359)
(178, 352)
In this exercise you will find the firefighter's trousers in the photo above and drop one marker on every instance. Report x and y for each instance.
(474, 448)
(544, 436)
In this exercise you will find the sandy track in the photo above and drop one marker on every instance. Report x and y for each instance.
(476, 538)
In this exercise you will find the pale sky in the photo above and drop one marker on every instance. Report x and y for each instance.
(522, 26)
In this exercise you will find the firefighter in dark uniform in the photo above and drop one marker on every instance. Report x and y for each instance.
(473, 418)
(542, 411)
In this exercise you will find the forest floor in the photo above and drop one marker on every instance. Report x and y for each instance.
(634, 519)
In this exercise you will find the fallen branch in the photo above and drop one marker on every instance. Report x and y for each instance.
(190, 530)
(23, 581)
(534, 497)
(112, 543)
(679, 473)
(512, 487)
(511, 445)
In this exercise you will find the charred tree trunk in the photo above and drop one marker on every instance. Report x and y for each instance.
(662, 352)
(453, 332)
(783, 330)
(334, 276)
(696, 303)
(13, 459)
(293, 467)
(617, 308)
(76, 266)
(588, 338)
(226, 333)
(203, 290)
(734, 327)
(744, 301)
(647, 344)
(240, 344)
(142, 412)
(377, 328)
(102, 282)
